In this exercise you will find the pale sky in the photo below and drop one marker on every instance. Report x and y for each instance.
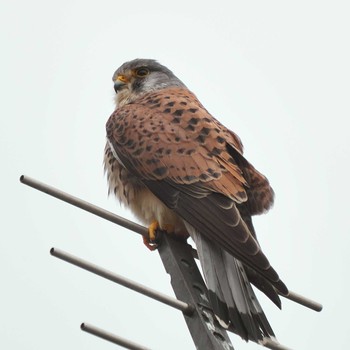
(275, 72)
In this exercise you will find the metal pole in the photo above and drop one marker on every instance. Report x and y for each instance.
(91, 208)
(105, 214)
(269, 343)
(137, 287)
(188, 310)
(189, 286)
(297, 298)
(111, 337)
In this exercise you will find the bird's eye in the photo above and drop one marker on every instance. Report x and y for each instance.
(142, 72)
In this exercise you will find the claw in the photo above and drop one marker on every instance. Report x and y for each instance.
(149, 245)
(153, 234)
(149, 241)
(152, 230)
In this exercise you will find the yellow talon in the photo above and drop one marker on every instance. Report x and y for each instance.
(151, 241)
(152, 229)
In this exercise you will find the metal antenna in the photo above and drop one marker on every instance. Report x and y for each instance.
(98, 332)
(151, 293)
(186, 280)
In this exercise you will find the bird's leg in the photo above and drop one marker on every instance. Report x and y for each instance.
(152, 230)
(153, 234)
(150, 241)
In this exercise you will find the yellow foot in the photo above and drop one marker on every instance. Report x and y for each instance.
(151, 241)
(152, 230)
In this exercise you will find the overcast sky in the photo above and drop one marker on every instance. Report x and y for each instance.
(275, 72)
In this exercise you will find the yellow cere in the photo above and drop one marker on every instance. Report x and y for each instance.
(122, 78)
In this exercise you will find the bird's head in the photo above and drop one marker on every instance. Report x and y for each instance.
(137, 77)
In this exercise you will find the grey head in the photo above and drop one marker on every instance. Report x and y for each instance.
(139, 76)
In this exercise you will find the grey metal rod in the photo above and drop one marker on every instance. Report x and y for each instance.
(273, 345)
(105, 214)
(80, 203)
(125, 343)
(297, 298)
(137, 287)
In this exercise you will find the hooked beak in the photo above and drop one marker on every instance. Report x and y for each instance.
(121, 81)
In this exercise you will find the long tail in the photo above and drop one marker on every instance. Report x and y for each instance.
(231, 295)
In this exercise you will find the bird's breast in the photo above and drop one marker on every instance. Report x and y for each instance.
(132, 193)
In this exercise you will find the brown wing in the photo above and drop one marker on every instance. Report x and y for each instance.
(194, 165)
(169, 135)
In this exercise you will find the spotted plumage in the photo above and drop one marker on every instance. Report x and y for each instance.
(169, 160)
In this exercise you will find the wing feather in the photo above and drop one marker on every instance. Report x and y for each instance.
(195, 166)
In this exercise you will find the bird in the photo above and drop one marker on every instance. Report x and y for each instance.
(180, 170)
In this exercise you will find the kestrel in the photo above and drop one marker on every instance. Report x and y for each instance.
(179, 169)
